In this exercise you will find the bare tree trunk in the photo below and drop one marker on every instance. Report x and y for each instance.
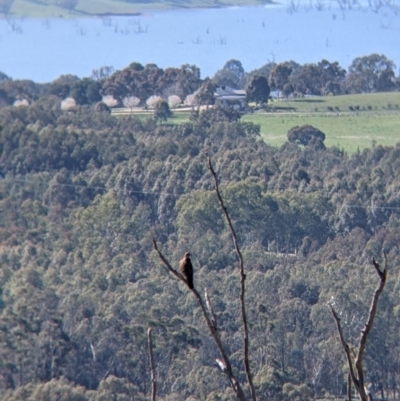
(242, 282)
(152, 370)
(212, 326)
(349, 387)
(356, 369)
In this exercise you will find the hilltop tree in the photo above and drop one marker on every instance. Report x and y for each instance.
(205, 94)
(279, 76)
(131, 102)
(162, 111)
(86, 91)
(232, 74)
(258, 90)
(371, 73)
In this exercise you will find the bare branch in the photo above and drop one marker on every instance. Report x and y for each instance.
(349, 387)
(166, 263)
(358, 379)
(372, 312)
(152, 370)
(242, 281)
(345, 346)
(213, 330)
(210, 310)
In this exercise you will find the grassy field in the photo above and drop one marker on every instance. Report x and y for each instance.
(378, 119)
(87, 8)
(387, 101)
(349, 131)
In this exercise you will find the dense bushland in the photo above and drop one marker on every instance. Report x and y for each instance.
(81, 194)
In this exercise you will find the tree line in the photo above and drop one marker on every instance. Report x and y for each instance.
(373, 73)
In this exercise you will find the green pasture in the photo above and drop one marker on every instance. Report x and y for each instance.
(87, 8)
(376, 120)
(349, 131)
(386, 101)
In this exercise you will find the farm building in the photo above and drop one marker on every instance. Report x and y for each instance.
(228, 97)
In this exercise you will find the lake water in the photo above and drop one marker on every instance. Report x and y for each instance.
(42, 50)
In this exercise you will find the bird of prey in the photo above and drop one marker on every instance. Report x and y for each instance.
(185, 266)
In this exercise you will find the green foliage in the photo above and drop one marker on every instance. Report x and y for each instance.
(279, 76)
(205, 94)
(162, 111)
(81, 195)
(257, 90)
(371, 73)
(306, 135)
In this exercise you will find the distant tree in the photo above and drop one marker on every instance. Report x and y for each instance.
(131, 102)
(333, 88)
(371, 74)
(258, 90)
(93, 91)
(226, 78)
(110, 101)
(137, 66)
(331, 72)
(178, 81)
(232, 74)
(78, 92)
(153, 100)
(263, 71)
(61, 86)
(190, 100)
(162, 111)
(279, 76)
(102, 73)
(174, 101)
(5, 6)
(318, 79)
(4, 77)
(287, 89)
(5, 98)
(21, 102)
(205, 94)
(68, 104)
(306, 135)
(306, 80)
(235, 66)
(101, 107)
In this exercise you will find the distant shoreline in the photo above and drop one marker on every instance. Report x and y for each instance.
(93, 9)
(89, 9)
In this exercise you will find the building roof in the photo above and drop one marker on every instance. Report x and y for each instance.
(227, 92)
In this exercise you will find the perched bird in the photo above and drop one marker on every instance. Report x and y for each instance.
(185, 266)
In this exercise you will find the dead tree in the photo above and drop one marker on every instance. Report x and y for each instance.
(211, 321)
(152, 369)
(242, 281)
(355, 364)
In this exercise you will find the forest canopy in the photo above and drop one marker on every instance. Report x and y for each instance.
(81, 195)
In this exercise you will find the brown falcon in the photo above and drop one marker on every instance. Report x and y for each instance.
(185, 266)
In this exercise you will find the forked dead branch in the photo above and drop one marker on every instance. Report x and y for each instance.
(242, 281)
(210, 316)
(356, 372)
(211, 324)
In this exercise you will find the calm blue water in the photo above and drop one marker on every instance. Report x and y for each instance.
(42, 50)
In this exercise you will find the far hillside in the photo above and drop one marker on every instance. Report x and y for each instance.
(87, 8)
(354, 109)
